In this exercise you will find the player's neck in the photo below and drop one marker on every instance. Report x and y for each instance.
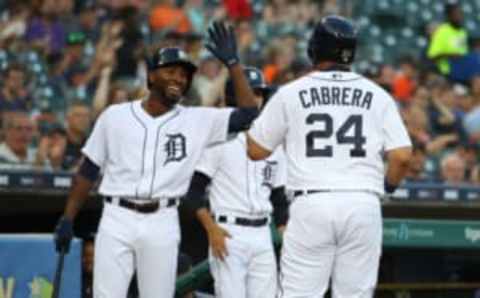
(330, 66)
(155, 107)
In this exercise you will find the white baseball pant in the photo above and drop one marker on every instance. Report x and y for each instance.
(333, 236)
(250, 269)
(128, 240)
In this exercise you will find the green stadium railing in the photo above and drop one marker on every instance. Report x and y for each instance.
(397, 233)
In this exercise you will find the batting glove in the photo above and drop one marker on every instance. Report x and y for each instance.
(63, 235)
(222, 43)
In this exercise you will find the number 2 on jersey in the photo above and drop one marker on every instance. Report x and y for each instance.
(357, 139)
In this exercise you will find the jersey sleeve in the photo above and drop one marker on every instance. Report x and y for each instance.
(395, 134)
(209, 161)
(270, 128)
(217, 125)
(96, 146)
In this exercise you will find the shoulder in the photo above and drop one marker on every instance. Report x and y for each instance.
(203, 112)
(119, 108)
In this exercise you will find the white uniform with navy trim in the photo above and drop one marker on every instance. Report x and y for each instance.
(335, 127)
(240, 188)
(145, 159)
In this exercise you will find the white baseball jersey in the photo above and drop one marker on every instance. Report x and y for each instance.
(149, 157)
(334, 126)
(239, 185)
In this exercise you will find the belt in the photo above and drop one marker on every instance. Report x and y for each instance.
(297, 193)
(258, 222)
(309, 192)
(149, 207)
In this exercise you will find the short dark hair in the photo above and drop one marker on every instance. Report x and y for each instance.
(450, 6)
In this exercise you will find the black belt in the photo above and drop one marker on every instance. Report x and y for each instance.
(244, 221)
(309, 192)
(297, 193)
(142, 208)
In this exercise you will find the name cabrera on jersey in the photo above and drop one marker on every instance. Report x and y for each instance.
(152, 157)
(239, 185)
(335, 127)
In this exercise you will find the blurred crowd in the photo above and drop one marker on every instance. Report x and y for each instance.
(62, 62)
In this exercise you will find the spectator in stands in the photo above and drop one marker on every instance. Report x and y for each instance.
(416, 121)
(405, 81)
(238, 9)
(452, 168)
(51, 148)
(108, 93)
(279, 58)
(44, 31)
(79, 121)
(209, 80)
(416, 168)
(87, 21)
(15, 23)
(195, 11)
(130, 52)
(166, 16)
(449, 47)
(444, 115)
(14, 95)
(471, 124)
(475, 89)
(15, 149)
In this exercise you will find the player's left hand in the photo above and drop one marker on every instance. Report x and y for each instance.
(222, 43)
(217, 239)
(281, 229)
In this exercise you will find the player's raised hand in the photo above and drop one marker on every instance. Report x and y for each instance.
(216, 238)
(222, 43)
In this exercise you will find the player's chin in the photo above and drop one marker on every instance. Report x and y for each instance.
(172, 99)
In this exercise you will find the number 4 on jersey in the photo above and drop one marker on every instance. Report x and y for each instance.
(357, 139)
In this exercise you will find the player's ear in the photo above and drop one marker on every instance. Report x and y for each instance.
(149, 79)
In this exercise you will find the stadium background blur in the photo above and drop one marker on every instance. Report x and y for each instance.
(63, 61)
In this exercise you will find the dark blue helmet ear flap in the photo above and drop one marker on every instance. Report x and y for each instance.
(255, 79)
(334, 38)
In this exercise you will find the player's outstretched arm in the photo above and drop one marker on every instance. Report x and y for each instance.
(398, 162)
(255, 151)
(82, 184)
(223, 45)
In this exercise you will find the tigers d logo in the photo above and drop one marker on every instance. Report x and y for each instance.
(268, 173)
(175, 147)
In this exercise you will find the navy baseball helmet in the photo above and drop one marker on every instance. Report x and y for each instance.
(334, 38)
(255, 79)
(172, 56)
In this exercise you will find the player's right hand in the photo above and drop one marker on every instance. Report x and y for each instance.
(217, 239)
(63, 234)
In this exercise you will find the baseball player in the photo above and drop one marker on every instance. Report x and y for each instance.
(336, 126)
(242, 191)
(147, 150)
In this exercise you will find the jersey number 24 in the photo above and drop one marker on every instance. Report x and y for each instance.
(357, 140)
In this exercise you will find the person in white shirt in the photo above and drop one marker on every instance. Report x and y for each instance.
(147, 151)
(336, 127)
(15, 149)
(241, 194)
